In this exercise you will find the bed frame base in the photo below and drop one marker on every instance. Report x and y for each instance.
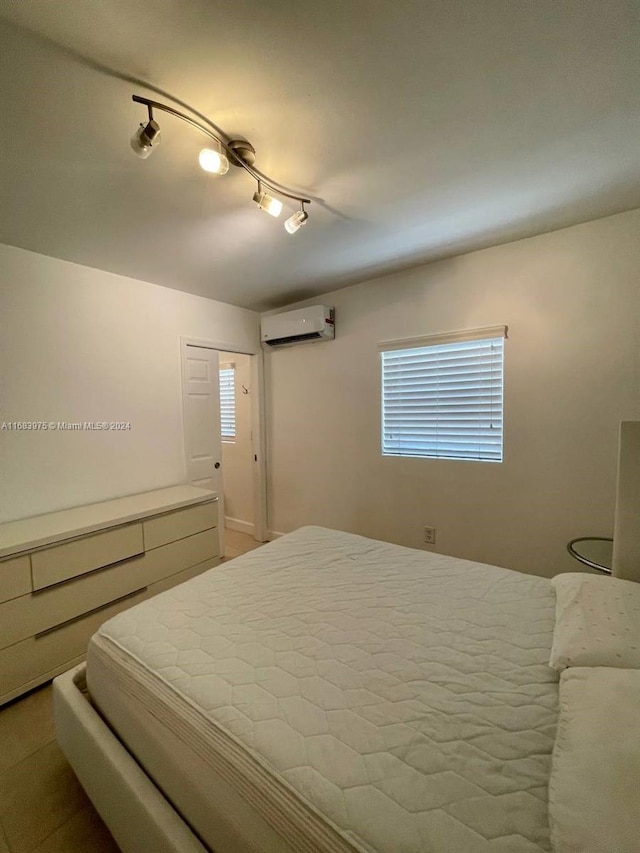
(135, 810)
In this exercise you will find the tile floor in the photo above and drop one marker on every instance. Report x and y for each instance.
(43, 809)
(236, 543)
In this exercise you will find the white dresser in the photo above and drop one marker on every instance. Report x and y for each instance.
(63, 574)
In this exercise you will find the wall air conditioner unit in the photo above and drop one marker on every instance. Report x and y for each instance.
(315, 323)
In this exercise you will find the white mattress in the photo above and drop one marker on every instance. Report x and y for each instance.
(332, 693)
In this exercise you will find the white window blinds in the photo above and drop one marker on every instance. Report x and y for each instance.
(228, 402)
(442, 396)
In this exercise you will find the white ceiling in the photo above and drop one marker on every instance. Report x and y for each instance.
(421, 128)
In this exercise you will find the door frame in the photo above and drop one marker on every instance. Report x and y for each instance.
(258, 430)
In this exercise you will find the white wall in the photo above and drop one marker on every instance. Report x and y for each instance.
(79, 344)
(571, 300)
(237, 464)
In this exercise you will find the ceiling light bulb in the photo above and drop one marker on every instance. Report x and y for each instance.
(272, 206)
(295, 222)
(213, 161)
(145, 138)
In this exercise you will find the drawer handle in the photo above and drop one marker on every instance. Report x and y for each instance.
(78, 577)
(88, 613)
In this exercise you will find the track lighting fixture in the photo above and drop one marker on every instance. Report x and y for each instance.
(295, 222)
(266, 202)
(237, 152)
(145, 137)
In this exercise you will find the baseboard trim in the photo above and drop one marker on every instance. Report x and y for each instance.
(274, 534)
(239, 525)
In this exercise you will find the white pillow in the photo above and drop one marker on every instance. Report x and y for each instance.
(597, 622)
(595, 770)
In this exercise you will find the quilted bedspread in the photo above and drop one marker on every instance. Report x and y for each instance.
(399, 701)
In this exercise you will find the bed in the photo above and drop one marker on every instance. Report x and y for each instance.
(329, 694)
(326, 692)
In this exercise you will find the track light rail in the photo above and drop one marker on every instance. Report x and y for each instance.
(232, 148)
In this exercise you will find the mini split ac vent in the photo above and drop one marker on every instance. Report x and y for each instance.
(315, 323)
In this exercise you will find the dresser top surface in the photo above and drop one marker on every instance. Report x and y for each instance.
(26, 534)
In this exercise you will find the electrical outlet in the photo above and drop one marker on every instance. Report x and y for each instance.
(430, 536)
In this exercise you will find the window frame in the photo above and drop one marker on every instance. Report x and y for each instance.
(424, 430)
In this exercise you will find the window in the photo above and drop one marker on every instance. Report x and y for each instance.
(228, 401)
(442, 396)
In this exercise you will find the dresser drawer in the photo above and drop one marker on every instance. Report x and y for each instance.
(179, 524)
(32, 661)
(15, 578)
(34, 656)
(40, 611)
(79, 556)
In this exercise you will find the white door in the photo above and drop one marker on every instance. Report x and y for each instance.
(201, 400)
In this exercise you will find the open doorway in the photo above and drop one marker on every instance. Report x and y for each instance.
(237, 451)
(224, 437)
